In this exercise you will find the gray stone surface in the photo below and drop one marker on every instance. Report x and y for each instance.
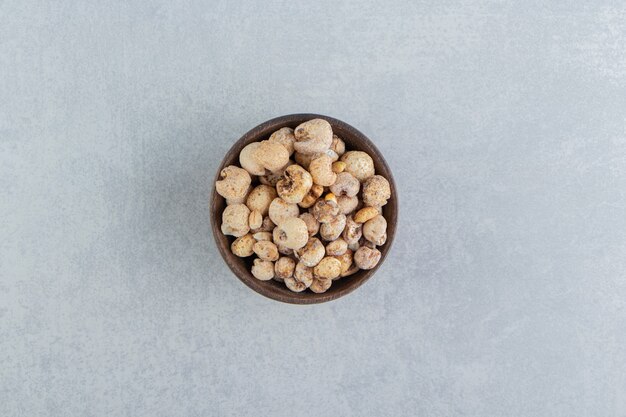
(504, 123)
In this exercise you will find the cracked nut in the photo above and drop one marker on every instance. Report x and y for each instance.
(312, 253)
(313, 136)
(266, 250)
(234, 182)
(291, 233)
(376, 191)
(263, 270)
(294, 185)
(235, 220)
(322, 171)
(366, 258)
(359, 164)
(242, 246)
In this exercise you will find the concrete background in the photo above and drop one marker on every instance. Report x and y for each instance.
(505, 125)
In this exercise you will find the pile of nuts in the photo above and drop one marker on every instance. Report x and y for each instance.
(311, 221)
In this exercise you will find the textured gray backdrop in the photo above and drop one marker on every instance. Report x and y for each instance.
(504, 122)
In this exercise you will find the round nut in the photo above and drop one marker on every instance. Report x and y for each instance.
(338, 145)
(255, 220)
(313, 136)
(366, 258)
(291, 233)
(347, 204)
(312, 225)
(235, 220)
(345, 184)
(263, 270)
(322, 171)
(337, 247)
(242, 246)
(260, 198)
(283, 268)
(365, 214)
(280, 210)
(303, 274)
(320, 285)
(327, 268)
(332, 230)
(248, 161)
(352, 232)
(271, 155)
(284, 137)
(325, 210)
(260, 236)
(314, 193)
(359, 164)
(376, 191)
(266, 250)
(266, 226)
(375, 230)
(295, 184)
(346, 261)
(338, 166)
(312, 253)
(234, 182)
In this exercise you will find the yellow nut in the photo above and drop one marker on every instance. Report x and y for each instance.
(338, 166)
(365, 214)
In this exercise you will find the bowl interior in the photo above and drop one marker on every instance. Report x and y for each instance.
(354, 140)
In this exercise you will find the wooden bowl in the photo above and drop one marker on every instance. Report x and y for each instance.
(275, 290)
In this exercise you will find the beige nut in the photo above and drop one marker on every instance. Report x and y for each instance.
(345, 184)
(260, 198)
(312, 225)
(359, 164)
(291, 233)
(347, 204)
(328, 268)
(320, 285)
(366, 258)
(346, 260)
(248, 161)
(336, 247)
(332, 230)
(338, 145)
(376, 191)
(284, 137)
(242, 246)
(322, 171)
(325, 210)
(312, 253)
(283, 268)
(261, 236)
(235, 220)
(266, 226)
(303, 274)
(263, 270)
(375, 230)
(280, 210)
(234, 182)
(255, 220)
(313, 136)
(272, 156)
(352, 232)
(295, 184)
(365, 214)
(266, 250)
(314, 193)
(338, 166)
